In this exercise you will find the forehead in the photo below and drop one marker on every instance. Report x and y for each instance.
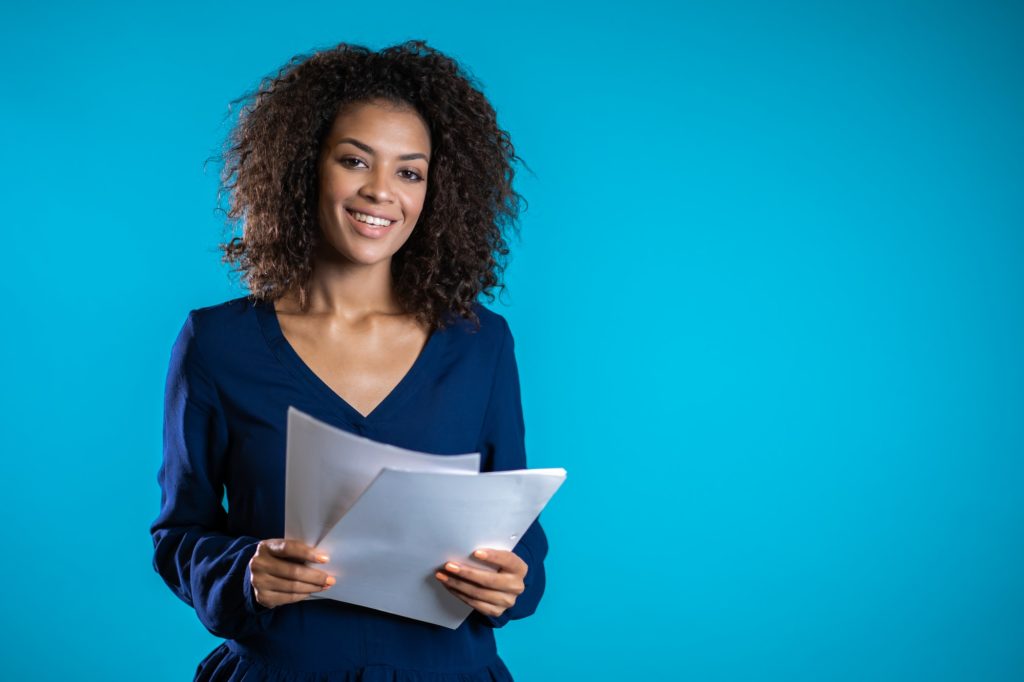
(389, 128)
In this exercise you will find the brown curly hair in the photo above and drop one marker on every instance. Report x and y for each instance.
(457, 250)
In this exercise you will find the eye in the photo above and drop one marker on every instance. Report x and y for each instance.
(350, 161)
(409, 174)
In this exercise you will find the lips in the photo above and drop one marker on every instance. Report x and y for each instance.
(367, 230)
(373, 214)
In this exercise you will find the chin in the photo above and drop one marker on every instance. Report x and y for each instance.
(363, 256)
(359, 250)
(368, 259)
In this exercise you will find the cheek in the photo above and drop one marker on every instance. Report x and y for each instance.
(415, 201)
(333, 192)
(334, 184)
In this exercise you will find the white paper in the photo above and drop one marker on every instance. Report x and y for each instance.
(407, 524)
(328, 469)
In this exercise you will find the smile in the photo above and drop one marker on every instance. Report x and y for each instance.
(368, 226)
(370, 220)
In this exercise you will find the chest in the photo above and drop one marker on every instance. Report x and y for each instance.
(361, 366)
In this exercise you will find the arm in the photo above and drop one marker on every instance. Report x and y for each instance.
(205, 567)
(503, 448)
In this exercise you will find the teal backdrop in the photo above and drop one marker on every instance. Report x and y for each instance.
(768, 305)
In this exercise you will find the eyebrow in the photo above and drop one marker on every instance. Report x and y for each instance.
(369, 150)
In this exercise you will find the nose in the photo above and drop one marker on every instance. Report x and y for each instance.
(377, 187)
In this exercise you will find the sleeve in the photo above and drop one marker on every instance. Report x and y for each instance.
(203, 565)
(504, 447)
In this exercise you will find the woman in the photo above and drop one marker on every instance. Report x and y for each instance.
(374, 188)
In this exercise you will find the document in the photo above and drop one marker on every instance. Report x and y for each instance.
(390, 518)
(385, 550)
(328, 468)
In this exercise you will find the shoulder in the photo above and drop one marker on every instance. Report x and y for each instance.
(215, 319)
(209, 333)
(486, 351)
(493, 331)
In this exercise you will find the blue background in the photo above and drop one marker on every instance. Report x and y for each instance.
(768, 303)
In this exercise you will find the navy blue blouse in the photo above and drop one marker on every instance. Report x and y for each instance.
(231, 379)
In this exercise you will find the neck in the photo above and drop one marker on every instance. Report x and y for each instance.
(352, 291)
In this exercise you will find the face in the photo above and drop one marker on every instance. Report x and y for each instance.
(373, 181)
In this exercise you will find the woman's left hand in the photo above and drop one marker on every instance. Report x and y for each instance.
(491, 593)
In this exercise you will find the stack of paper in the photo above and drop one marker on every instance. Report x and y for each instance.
(389, 517)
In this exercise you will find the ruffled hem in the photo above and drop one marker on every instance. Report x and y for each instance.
(224, 665)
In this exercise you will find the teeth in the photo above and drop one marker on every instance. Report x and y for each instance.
(370, 220)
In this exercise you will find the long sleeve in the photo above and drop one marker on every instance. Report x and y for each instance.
(205, 567)
(504, 448)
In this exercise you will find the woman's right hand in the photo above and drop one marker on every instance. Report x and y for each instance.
(279, 573)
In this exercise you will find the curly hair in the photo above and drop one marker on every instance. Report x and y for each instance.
(457, 250)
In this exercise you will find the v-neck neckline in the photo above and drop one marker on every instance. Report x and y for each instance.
(289, 357)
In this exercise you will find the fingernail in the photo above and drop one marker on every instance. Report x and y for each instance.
(454, 568)
(480, 554)
(441, 576)
(322, 558)
(330, 580)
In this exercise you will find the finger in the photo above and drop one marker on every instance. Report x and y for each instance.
(494, 597)
(275, 584)
(503, 559)
(506, 582)
(273, 599)
(289, 570)
(481, 606)
(294, 549)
